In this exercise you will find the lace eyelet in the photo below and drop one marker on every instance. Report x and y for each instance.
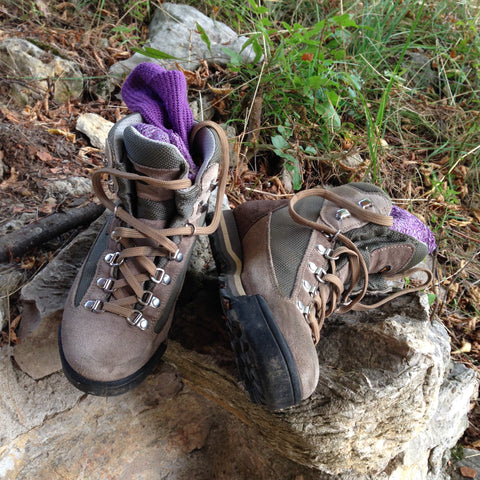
(161, 277)
(177, 256)
(112, 259)
(326, 252)
(114, 236)
(317, 271)
(342, 214)
(365, 203)
(94, 306)
(309, 288)
(106, 284)
(137, 320)
(193, 227)
(148, 299)
(304, 310)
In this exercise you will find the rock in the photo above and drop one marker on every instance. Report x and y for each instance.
(173, 30)
(37, 355)
(72, 187)
(10, 280)
(46, 293)
(381, 375)
(351, 162)
(26, 403)
(202, 108)
(383, 408)
(18, 222)
(419, 72)
(426, 455)
(468, 472)
(24, 60)
(95, 127)
(201, 261)
(148, 433)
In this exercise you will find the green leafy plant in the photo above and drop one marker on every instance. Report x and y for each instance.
(298, 72)
(291, 163)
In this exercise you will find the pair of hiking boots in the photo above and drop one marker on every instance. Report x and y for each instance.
(284, 266)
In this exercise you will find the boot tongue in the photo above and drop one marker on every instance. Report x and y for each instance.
(154, 158)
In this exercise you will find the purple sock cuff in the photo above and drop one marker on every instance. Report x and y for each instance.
(160, 96)
(406, 222)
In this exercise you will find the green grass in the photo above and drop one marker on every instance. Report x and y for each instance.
(348, 72)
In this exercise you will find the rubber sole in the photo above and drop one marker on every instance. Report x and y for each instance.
(109, 389)
(263, 357)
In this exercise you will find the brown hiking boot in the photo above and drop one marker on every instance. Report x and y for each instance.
(121, 304)
(286, 266)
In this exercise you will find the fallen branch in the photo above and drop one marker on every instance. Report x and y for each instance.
(17, 243)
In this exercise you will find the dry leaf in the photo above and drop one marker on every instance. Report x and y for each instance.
(13, 178)
(465, 348)
(468, 472)
(220, 91)
(58, 131)
(44, 156)
(475, 293)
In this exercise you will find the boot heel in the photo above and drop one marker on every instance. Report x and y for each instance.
(263, 357)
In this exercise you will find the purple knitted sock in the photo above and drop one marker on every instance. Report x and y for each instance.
(160, 96)
(406, 222)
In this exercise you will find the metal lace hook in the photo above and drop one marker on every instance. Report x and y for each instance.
(193, 227)
(340, 216)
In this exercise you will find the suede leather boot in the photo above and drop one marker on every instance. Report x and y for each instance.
(120, 307)
(286, 266)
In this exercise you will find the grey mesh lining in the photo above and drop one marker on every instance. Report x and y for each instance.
(152, 210)
(371, 236)
(91, 263)
(288, 241)
(152, 153)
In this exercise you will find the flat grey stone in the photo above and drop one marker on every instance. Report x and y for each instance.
(37, 354)
(25, 403)
(174, 31)
(470, 460)
(46, 292)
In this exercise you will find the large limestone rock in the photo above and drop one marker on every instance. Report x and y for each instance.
(174, 31)
(34, 68)
(389, 404)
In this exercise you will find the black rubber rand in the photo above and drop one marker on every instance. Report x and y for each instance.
(264, 359)
(109, 389)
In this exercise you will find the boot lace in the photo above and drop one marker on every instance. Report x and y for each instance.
(140, 243)
(330, 295)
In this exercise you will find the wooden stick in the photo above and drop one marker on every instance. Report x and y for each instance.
(34, 234)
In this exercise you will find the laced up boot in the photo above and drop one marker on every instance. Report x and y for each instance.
(284, 267)
(120, 307)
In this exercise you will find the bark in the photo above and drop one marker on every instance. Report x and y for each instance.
(21, 241)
